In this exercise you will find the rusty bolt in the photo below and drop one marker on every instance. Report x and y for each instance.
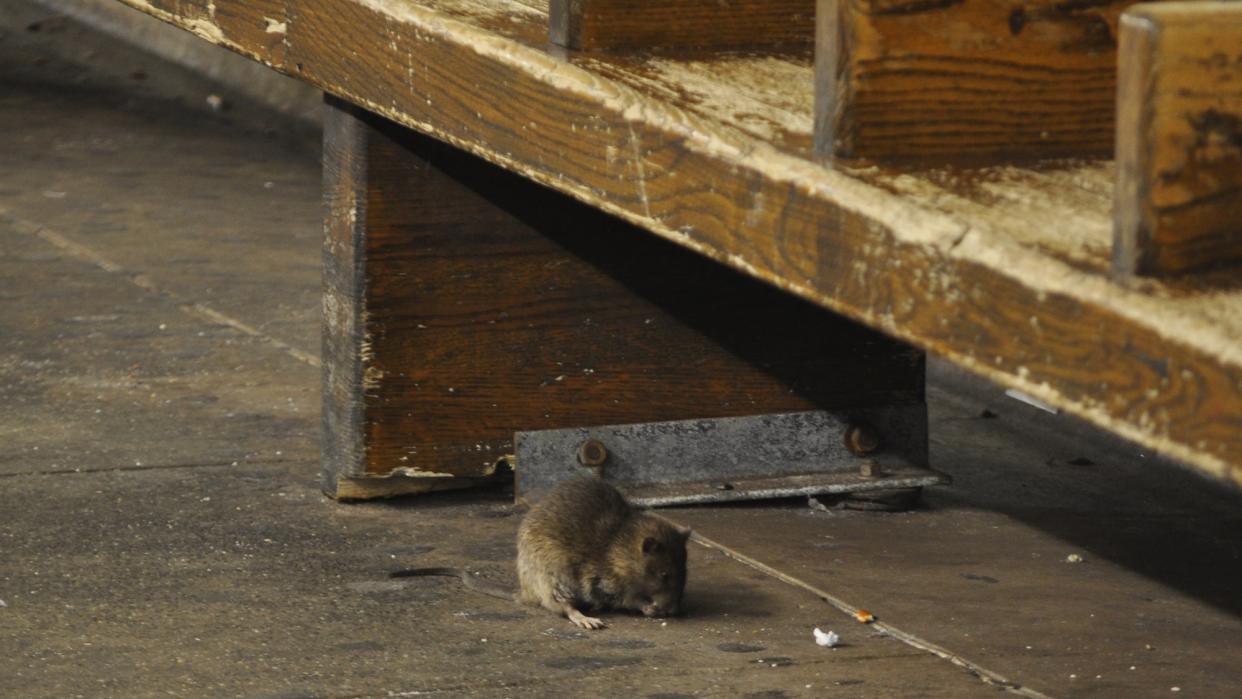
(592, 453)
(861, 440)
(870, 468)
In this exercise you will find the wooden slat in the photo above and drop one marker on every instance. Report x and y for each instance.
(1157, 364)
(343, 447)
(465, 303)
(646, 24)
(1179, 138)
(948, 79)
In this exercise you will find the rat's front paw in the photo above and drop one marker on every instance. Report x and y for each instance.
(586, 622)
(590, 622)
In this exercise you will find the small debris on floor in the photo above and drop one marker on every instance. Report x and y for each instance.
(1073, 558)
(816, 505)
(864, 617)
(827, 640)
(988, 414)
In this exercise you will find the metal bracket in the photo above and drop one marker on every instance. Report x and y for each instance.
(739, 458)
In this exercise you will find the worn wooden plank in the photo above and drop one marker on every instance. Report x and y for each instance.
(465, 303)
(344, 191)
(255, 28)
(1156, 363)
(592, 25)
(1179, 138)
(950, 79)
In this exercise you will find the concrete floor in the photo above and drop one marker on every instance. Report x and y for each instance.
(163, 533)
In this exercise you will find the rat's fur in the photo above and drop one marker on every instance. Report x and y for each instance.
(584, 548)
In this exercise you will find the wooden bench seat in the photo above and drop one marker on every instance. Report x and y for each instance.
(1004, 268)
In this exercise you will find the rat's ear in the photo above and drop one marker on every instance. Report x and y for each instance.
(651, 545)
(685, 533)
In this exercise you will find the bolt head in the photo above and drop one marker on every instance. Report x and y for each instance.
(592, 453)
(861, 440)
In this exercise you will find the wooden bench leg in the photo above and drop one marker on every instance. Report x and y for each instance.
(1179, 139)
(980, 81)
(464, 303)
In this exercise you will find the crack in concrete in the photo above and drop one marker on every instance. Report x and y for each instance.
(986, 676)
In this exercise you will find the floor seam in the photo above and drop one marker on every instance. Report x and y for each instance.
(194, 308)
(152, 467)
(987, 676)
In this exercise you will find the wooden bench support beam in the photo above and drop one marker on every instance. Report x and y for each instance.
(950, 80)
(591, 25)
(1179, 138)
(464, 303)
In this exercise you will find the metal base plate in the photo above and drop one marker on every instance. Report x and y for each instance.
(727, 459)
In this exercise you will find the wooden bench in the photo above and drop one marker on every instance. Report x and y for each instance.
(953, 189)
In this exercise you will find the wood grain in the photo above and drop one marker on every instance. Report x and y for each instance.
(342, 437)
(592, 25)
(1179, 138)
(466, 303)
(1165, 371)
(949, 79)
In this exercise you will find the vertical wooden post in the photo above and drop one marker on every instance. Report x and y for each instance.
(344, 191)
(464, 303)
(986, 79)
(1179, 138)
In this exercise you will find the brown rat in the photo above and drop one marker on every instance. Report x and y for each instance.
(584, 548)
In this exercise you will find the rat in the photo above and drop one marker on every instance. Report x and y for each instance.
(583, 548)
